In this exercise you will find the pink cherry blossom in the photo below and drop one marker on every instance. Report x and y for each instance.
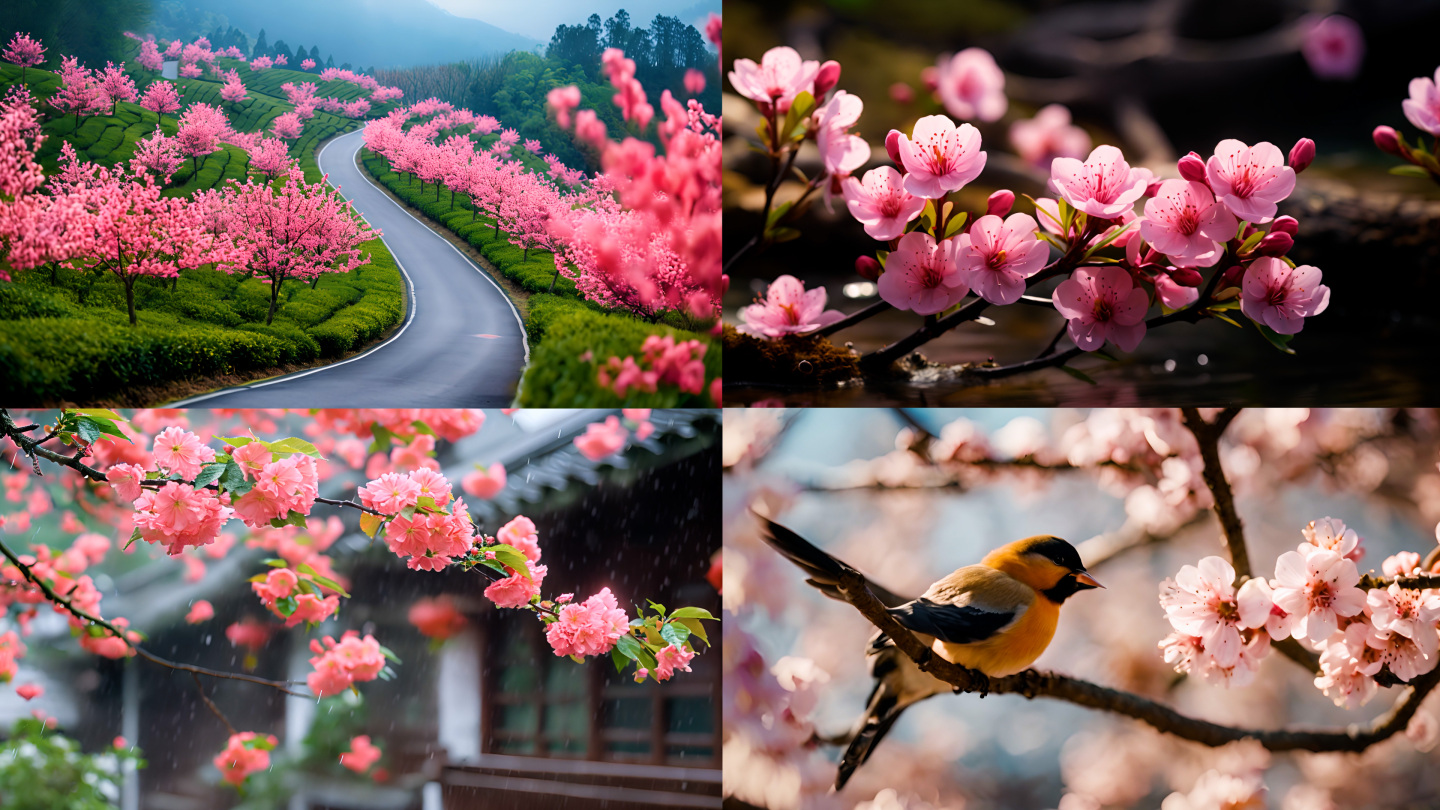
(485, 483)
(1102, 303)
(998, 255)
(244, 754)
(1201, 601)
(1103, 186)
(201, 611)
(1317, 588)
(788, 308)
(1347, 665)
(1278, 624)
(842, 152)
(1423, 105)
(361, 754)
(1405, 656)
(923, 276)
(516, 590)
(177, 515)
(29, 691)
(1249, 180)
(1048, 135)
(436, 618)
(1331, 534)
(972, 86)
(940, 157)
(670, 660)
(1185, 222)
(24, 51)
(181, 452)
(694, 82)
(588, 628)
(778, 79)
(1281, 296)
(1220, 791)
(160, 98)
(1408, 612)
(602, 439)
(563, 100)
(881, 203)
(338, 665)
(126, 478)
(1335, 47)
(521, 534)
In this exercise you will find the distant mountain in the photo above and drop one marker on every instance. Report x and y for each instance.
(379, 33)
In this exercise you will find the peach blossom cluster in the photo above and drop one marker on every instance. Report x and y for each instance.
(340, 665)
(588, 628)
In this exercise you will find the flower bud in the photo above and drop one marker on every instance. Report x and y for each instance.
(892, 148)
(1275, 243)
(1302, 154)
(931, 77)
(1000, 203)
(1285, 225)
(1186, 276)
(901, 93)
(1387, 139)
(868, 268)
(1230, 278)
(1192, 168)
(826, 79)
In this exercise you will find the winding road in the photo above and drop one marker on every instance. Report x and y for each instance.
(462, 343)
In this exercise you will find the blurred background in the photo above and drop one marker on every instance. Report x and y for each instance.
(907, 496)
(480, 707)
(1158, 78)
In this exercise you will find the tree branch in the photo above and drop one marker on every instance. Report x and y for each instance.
(1032, 684)
(210, 703)
(1207, 435)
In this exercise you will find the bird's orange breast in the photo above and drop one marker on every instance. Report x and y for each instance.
(1012, 649)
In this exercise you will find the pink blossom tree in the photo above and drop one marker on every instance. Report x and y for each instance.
(160, 98)
(271, 158)
(199, 132)
(287, 125)
(81, 92)
(297, 232)
(24, 51)
(307, 65)
(234, 89)
(159, 155)
(117, 86)
(150, 57)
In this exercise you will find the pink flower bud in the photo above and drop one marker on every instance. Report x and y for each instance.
(1302, 154)
(1276, 243)
(892, 148)
(1230, 278)
(931, 77)
(826, 79)
(1387, 139)
(1000, 203)
(1285, 225)
(1192, 168)
(868, 268)
(1153, 187)
(1186, 276)
(901, 93)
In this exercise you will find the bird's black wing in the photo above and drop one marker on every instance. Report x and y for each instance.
(823, 571)
(953, 624)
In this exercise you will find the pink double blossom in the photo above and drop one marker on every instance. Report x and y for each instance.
(841, 152)
(338, 665)
(670, 660)
(971, 85)
(880, 202)
(1317, 588)
(1281, 296)
(788, 308)
(178, 515)
(602, 439)
(362, 754)
(1104, 186)
(923, 276)
(940, 157)
(588, 628)
(1201, 601)
(1102, 304)
(1249, 180)
(484, 482)
(1185, 222)
(244, 754)
(998, 255)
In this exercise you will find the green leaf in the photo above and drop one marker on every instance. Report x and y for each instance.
(135, 535)
(696, 628)
(421, 427)
(292, 445)
(326, 582)
(292, 519)
(209, 474)
(259, 743)
(390, 654)
(1119, 232)
(784, 234)
(659, 608)
(275, 562)
(233, 480)
(512, 557)
(955, 224)
(426, 504)
(1233, 303)
(1078, 374)
(1102, 353)
(382, 438)
(1251, 241)
(91, 428)
(1409, 171)
(1279, 341)
(285, 606)
(693, 613)
(241, 441)
(881, 256)
(675, 633)
(777, 212)
(258, 578)
(307, 586)
(98, 413)
(620, 660)
(629, 647)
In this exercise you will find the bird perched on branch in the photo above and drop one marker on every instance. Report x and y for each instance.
(996, 617)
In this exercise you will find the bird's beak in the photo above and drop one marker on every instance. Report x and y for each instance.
(1087, 580)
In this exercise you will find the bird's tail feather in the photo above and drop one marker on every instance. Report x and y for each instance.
(879, 716)
(823, 570)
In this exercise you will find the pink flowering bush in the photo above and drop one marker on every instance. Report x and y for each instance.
(1113, 243)
(1421, 109)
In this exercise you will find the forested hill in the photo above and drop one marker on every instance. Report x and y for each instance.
(512, 88)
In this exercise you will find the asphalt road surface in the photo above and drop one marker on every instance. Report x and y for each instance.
(461, 343)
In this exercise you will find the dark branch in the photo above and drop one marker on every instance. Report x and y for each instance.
(1207, 435)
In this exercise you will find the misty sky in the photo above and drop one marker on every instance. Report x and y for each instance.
(538, 18)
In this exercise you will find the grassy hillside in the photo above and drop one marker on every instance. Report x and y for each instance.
(65, 336)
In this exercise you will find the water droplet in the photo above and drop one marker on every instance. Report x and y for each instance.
(1169, 365)
(1203, 360)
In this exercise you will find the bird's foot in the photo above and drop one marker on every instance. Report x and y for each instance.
(979, 682)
